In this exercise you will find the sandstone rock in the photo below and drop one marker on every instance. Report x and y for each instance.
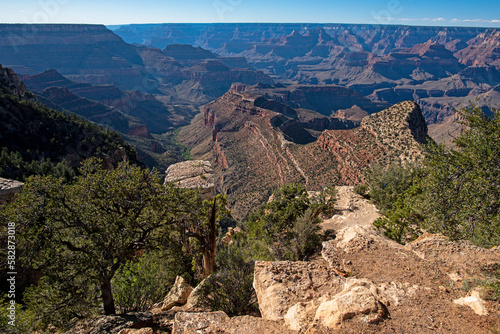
(301, 315)
(281, 285)
(356, 238)
(8, 188)
(475, 302)
(137, 331)
(219, 322)
(229, 235)
(254, 325)
(194, 174)
(115, 324)
(357, 298)
(198, 322)
(178, 294)
(460, 260)
(192, 301)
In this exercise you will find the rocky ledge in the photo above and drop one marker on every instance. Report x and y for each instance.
(8, 188)
(194, 174)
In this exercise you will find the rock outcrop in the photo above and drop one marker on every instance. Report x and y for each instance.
(368, 282)
(362, 283)
(193, 174)
(8, 189)
(257, 144)
(178, 294)
(219, 322)
(475, 302)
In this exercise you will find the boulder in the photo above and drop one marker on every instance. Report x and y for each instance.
(475, 302)
(193, 174)
(191, 304)
(178, 294)
(300, 315)
(8, 188)
(356, 299)
(281, 285)
(219, 322)
(198, 322)
(115, 324)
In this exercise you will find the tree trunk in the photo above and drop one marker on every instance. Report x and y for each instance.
(107, 298)
(209, 250)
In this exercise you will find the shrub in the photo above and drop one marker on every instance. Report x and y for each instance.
(230, 287)
(139, 284)
(386, 183)
(25, 320)
(288, 225)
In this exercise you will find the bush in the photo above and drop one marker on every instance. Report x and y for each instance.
(25, 320)
(230, 287)
(386, 183)
(361, 189)
(56, 303)
(139, 284)
(455, 192)
(402, 223)
(288, 226)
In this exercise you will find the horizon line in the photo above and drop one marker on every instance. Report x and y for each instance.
(222, 23)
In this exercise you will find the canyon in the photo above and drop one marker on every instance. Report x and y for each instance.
(267, 104)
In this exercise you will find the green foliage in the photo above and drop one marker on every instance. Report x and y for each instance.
(57, 298)
(493, 284)
(25, 320)
(402, 222)
(80, 234)
(456, 192)
(193, 229)
(386, 183)
(361, 189)
(287, 227)
(13, 166)
(230, 287)
(34, 138)
(462, 186)
(139, 284)
(304, 236)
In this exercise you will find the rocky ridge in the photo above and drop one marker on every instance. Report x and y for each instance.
(29, 127)
(258, 144)
(386, 64)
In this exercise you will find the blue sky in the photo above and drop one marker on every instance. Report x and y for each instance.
(409, 12)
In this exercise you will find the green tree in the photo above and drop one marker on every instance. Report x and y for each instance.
(80, 234)
(196, 228)
(457, 191)
(386, 183)
(289, 223)
(461, 187)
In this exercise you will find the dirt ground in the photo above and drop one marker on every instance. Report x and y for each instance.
(443, 270)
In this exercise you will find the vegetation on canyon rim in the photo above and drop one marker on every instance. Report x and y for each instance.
(452, 191)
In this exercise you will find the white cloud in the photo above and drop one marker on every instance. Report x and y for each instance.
(437, 19)
(476, 20)
(404, 19)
